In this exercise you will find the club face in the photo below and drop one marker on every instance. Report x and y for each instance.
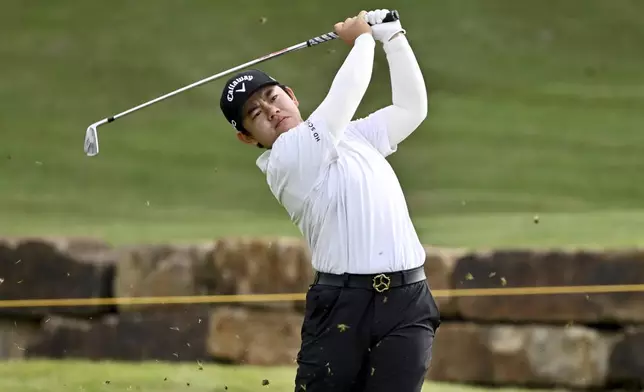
(91, 141)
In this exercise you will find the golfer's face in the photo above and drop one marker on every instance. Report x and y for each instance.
(270, 112)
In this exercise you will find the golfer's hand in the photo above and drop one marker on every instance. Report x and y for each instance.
(383, 32)
(352, 28)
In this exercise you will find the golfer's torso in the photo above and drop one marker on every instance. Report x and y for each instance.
(355, 217)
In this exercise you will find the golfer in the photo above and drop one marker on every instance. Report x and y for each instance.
(370, 317)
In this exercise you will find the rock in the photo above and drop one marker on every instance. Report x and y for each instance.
(15, 337)
(541, 356)
(177, 335)
(78, 246)
(259, 266)
(158, 271)
(626, 360)
(526, 269)
(50, 268)
(255, 336)
(439, 267)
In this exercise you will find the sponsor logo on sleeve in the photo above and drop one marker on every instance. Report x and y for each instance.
(314, 132)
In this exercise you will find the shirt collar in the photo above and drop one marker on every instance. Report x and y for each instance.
(262, 161)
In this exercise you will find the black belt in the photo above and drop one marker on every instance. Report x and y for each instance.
(379, 282)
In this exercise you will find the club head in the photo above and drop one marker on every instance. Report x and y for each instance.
(91, 140)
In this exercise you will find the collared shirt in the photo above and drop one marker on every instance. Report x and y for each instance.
(331, 174)
(345, 198)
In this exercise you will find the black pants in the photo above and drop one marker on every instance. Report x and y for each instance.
(359, 340)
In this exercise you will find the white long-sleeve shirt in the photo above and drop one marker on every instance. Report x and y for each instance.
(331, 175)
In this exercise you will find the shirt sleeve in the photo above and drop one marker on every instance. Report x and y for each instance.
(348, 88)
(387, 127)
(373, 130)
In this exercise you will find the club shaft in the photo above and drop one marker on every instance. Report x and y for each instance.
(313, 41)
(393, 15)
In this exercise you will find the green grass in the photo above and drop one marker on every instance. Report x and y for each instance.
(535, 108)
(66, 376)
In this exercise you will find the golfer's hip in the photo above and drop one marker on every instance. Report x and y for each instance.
(379, 282)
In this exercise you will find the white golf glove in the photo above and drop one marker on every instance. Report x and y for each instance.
(382, 32)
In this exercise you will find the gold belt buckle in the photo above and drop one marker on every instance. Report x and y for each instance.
(381, 283)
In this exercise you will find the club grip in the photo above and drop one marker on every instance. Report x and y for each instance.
(322, 38)
(391, 16)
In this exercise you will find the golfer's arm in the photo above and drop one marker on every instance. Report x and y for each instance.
(348, 87)
(409, 95)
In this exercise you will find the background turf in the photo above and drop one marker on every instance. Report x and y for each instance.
(536, 108)
(57, 376)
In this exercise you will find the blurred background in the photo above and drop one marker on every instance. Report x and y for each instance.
(526, 173)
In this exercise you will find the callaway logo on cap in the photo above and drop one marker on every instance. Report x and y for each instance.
(238, 89)
(242, 89)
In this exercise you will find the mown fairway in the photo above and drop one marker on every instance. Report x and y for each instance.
(536, 108)
(46, 376)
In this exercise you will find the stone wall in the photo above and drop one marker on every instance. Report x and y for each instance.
(588, 341)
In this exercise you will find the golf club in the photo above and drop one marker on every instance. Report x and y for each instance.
(91, 135)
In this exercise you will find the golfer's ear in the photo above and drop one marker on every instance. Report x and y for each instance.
(247, 139)
(290, 92)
